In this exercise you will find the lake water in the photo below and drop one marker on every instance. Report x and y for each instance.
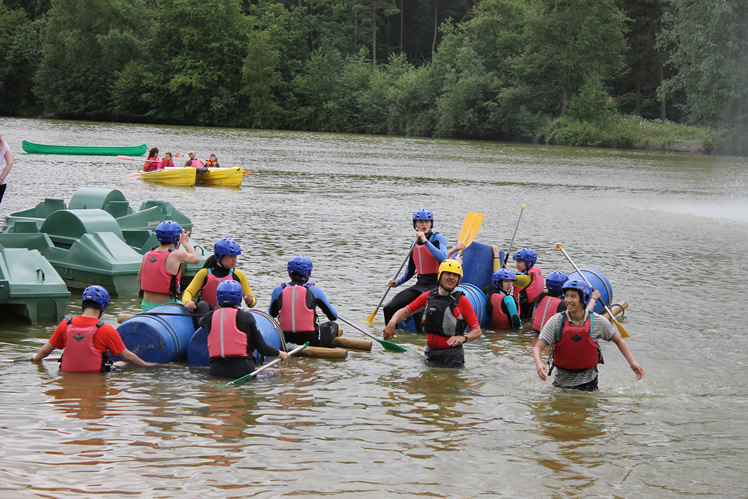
(669, 230)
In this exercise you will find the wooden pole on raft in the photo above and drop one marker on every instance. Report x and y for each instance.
(351, 343)
(324, 353)
(617, 309)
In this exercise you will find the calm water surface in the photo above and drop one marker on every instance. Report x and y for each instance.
(670, 231)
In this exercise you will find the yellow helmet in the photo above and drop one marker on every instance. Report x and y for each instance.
(449, 266)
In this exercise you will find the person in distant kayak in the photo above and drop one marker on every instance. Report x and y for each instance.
(573, 336)
(295, 304)
(6, 156)
(529, 283)
(151, 164)
(448, 318)
(167, 161)
(85, 339)
(212, 162)
(233, 335)
(193, 161)
(219, 267)
(501, 306)
(429, 251)
(161, 268)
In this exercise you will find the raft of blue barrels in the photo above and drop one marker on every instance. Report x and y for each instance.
(96, 239)
(167, 333)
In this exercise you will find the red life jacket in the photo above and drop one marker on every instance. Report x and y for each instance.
(151, 164)
(440, 318)
(154, 278)
(426, 263)
(499, 318)
(295, 315)
(546, 308)
(208, 292)
(80, 354)
(526, 297)
(225, 339)
(574, 347)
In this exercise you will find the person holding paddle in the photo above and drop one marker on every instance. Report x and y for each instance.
(427, 252)
(161, 268)
(449, 318)
(233, 335)
(529, 282)
(295, 304)
(219, 267)
(573, 337)
(151, 164)
(85, 339)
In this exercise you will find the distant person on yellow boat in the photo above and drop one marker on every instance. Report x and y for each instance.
(233, 335)
(295, 304)
(85, 339)
(448, 318)
(151, 164)
(6, 156)
(501, 306)
(529, 283)
(167, 161)
(221, 266)
(161, 268)
(193, 161)
(212, 162)
(573, 336)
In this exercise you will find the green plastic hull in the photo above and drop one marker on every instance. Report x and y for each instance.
(30, 147)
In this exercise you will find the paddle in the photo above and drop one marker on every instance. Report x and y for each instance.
(621, 329)
(506, 258)
(28, 359)
(470, 228)
(271, 363)
(388, 345)
(370, 317)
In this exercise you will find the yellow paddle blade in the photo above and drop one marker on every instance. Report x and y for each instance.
(371, 316)
(470, 228)
(621, 330)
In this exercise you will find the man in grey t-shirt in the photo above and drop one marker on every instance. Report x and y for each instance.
(573, 337)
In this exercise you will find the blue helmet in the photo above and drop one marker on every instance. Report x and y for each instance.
(423, 214)
(301, 265)
(229, 293)
(528, 255)
(97, 294)
(581, 286)
(226, 246)
(168, 231)
(555, 280)
(503, 275)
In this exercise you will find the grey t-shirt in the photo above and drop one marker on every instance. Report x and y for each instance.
(601, 329)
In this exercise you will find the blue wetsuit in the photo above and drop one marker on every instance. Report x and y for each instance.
(437, 246)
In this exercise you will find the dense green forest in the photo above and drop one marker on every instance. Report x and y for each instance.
(578, 72)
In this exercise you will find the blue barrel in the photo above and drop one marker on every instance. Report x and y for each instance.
(477, 264)
(599, 282)
(478, 299)
(473, 293)
(159, 338)
(197, 352)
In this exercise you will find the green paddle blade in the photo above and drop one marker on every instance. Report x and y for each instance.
(392, 347)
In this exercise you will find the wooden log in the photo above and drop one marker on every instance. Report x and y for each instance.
(123, 316)
(323, 353)
(617, 309)
(352, 343)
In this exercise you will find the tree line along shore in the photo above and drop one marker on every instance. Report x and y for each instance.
(655, 74)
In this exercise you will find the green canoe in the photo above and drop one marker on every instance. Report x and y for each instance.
(30, 147)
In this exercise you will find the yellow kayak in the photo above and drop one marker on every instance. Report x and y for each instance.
(227, 177)
(170, 176)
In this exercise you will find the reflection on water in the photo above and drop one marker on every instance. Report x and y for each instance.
(657, 225)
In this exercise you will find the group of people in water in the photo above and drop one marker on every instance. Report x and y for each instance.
(560, 308)
(154, 163)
